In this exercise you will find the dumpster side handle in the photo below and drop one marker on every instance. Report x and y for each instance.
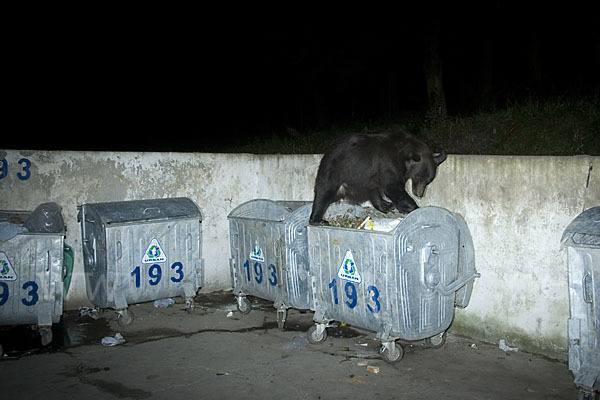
(587, 288)
(453, 287)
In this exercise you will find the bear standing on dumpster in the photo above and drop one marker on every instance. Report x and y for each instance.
(360, 167)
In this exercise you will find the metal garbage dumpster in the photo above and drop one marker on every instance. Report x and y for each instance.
(31, 271)
(402, 284)
(141, 250)
(582, 240)
(269, 254)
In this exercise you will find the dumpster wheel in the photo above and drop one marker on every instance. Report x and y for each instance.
(587, 395)
(125, 317)
(46, 334)
(436, 341)
(190, 306)
(244, 305)
(391, 352)
(314, 336)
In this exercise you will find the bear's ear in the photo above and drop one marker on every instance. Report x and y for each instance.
(439, 158)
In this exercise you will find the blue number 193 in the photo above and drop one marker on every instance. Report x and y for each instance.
(136, 274)
(333, 286)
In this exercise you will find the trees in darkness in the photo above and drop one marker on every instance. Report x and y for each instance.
(235, 75)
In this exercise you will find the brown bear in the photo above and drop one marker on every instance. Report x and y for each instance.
(360, 167)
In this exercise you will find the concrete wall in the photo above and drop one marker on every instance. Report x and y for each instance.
(516, 208)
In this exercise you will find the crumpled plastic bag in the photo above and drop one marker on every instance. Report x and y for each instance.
(505, 348)
(46, 218)
(164, 303)
(93, 312)
(9, 230)
(113, 341)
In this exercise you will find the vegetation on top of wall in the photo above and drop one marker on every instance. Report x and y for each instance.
(557, 126)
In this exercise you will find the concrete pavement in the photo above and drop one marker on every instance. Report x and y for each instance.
(170, 354)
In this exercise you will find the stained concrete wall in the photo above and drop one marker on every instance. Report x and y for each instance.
(516, 208)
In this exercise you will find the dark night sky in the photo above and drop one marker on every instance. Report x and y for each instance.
(183, 81)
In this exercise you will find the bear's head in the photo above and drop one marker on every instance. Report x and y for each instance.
(421, 168)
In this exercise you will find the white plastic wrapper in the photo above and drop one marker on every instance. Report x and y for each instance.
(380, 224)
(113, 341)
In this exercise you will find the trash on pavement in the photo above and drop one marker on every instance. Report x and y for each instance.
(113, 341)
(373, 369)
(505, 348)
(164, 303)
(92, 312)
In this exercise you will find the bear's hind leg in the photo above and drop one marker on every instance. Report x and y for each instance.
(322, 200)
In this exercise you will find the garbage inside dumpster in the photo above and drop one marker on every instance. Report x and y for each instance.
(368, 219)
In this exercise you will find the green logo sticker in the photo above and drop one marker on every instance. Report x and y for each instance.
(348, 269)
(154, 253)
(257, 254)
(7, 272)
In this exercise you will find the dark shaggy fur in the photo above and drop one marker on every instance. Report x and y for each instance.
(360, 167)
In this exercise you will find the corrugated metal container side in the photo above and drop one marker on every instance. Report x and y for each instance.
(34, 294)
(137, 251)
(269, 254)
(582, 240)
(402, 284)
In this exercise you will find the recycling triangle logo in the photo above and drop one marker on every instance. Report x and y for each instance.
(348, 269)
(154, 253)
(7, 272)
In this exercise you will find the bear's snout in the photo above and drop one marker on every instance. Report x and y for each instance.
(418, 189)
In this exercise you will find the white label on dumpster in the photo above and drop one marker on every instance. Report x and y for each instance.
(7, 272)
(154, 253)
(257, 254)
(348, 269)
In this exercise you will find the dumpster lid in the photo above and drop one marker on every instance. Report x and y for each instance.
(15, 217)
(269, 210)
(142, 210)
(46, 218)
(584, 230)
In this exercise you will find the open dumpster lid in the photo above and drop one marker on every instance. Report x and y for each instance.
(142, 210)
(584, 230)
(269, 210)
